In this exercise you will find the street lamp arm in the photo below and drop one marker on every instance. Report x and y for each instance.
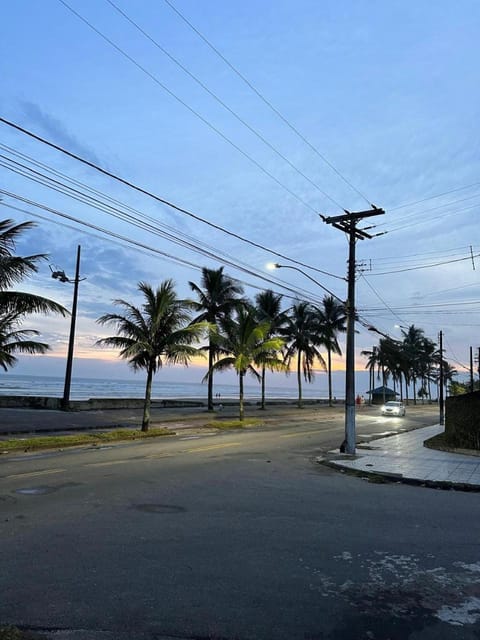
(275, 265)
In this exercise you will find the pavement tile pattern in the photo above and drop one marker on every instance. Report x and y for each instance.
(405, 456)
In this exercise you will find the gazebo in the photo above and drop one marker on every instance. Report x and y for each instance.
(382, 394)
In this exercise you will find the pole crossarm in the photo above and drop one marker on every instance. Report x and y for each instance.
(346, 221)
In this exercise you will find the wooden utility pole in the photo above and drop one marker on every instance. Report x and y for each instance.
(471, 370)
(441, 382)
(71, 340)
(348, 224)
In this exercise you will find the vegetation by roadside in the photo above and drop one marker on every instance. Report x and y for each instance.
(225, 425)
(13, 633)
(79, 439)
(37, 443)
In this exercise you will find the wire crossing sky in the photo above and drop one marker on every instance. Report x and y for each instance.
(251, 119)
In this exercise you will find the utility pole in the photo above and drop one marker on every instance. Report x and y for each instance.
(441, 382)
(348, 224)
(471, 370)
(60, 275)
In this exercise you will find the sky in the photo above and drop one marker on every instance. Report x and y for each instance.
(258, 118)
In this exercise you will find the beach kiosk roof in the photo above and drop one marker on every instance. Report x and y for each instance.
(382, 394)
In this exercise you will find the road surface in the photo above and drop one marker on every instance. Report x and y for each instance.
(237, 536)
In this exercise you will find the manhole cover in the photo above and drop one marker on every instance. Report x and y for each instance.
(159, 508)
(35, 491)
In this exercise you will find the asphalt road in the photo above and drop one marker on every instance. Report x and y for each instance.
(238, 536)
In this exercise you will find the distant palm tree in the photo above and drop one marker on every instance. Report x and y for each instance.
(413, 346)
(15, 305)
(372, 361)
(158, 333)
(268, 305)
(243, 342)
(332, 319)
(449, 373)
(303, 340)
(218, 295)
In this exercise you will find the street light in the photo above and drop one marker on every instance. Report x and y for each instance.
(60, 275)
(348, 444)
(275, 265)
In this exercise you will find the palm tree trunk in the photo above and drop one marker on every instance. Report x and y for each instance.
(210, 378)
(148, 395)
(262, 405)
(329, 356)
(299, 380)
(240, 376)
(371, 384)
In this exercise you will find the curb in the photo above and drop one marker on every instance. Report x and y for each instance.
(445, 485)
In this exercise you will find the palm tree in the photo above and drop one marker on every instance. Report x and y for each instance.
(218, 296)
(15, 305)
(332, 321)
(268, 305)
(243, 341)
(158, 333)
(372, 362)
(449, 373)
(413, 342)
(14, 269)
(302, 337)
(429, 358)
(13, 340)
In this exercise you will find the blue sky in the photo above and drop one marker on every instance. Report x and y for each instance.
(387, 92)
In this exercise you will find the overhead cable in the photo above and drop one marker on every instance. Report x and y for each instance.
(191, 109)
(267, 102)
(231, 263)
(163, 201)
(222, 103)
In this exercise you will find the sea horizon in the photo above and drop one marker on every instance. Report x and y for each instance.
(83, 388)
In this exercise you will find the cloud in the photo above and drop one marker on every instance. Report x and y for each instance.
(57, 131)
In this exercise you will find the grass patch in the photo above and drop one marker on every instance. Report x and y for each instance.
(13, 633)
(79, 439)
(225, 425)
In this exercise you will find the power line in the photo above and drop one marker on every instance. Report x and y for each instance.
(463, 286)
(221, 102)
(415, 214)
(382, 300)
(267, 102)
(424, 266)
(163, 201)
(191, 109)
(438, 195)
(434, 218)
(158, 252)
(412, 256)
(426, 306)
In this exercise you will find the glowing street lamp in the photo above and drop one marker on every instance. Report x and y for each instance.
(349, 443)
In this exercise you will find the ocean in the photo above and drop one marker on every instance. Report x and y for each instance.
(84, 388)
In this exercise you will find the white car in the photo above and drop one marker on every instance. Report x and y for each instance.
(393, 408)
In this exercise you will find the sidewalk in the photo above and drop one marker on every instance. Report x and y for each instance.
(404, 457)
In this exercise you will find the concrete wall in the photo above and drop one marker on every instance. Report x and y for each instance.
(462, 421)
(37, 402)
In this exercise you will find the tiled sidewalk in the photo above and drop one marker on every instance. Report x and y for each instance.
(405, 457)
